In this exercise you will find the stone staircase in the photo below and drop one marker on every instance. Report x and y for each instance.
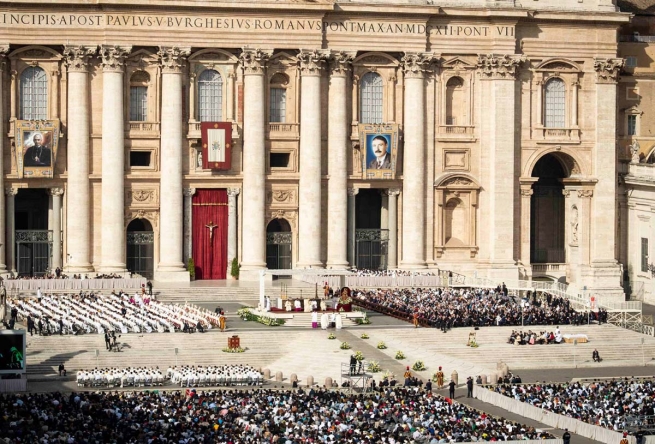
(304, 320)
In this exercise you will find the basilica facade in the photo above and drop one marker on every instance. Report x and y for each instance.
(478, 137)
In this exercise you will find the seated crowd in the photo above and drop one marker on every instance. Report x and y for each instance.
(73, 314)
(448, 308)
(390, 273)
(59, 274)
(186, 376)
(251, 416)
(605, 403)
(532, 338)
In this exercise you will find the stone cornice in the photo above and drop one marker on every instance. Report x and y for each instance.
(416, 64)
(607, 70)
(496, 66)
(113, 57)
(172, 58)
(312, 62)
(254, 60)
(77, 57)
(341, 63)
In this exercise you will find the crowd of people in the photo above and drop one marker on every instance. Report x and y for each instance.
(58, 273)
(449, 308)
(119, 312)
(185, 376)
(364, 272)
(605, 403)
(251, 416)
(531, 338)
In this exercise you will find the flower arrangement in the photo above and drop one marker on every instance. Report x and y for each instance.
(359, 356)
(388, 375)
(331, 336)
(400, 355)
(234, 350)
(373, 367)
(363, 321)
(364, 336)
(246, 314)
(382, 345)
(271, 322)
(418, 366)
(344, 346)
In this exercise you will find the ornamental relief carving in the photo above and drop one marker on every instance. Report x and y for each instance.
(607, 70)
(282, 198)
(494, 66)
(141, 198)
(151, 215)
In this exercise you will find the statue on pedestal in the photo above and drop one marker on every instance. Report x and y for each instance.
(634, 150)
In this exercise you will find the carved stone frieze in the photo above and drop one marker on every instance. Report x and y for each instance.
(607, 70)
(312, 62)
(495, 66)
(77, 57)
(341, 63)
(254, 60)
(282, 197)
(113, 57)
(458, 181)
(585, 193)
(172, 58)
(142, 197)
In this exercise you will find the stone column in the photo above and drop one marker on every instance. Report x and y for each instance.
(526, 196)
(113, 159)
(337, 220)
(55, 94)
(414, 65)
(170, 266)
(11, 228)
(78, 195)
(56, 194)
(574, 104)
(352, 193)
(4, 49)
(309, 209)
(188, 223)
(231, 76)
(253, 256)
(498, 135)
(232, 226)
(392, 251)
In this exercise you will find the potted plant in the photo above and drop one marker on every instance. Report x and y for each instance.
(234, 269)
(191, 268)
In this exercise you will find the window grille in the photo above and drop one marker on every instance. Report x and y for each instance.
(555, 104)
(210, 96)
(138, 103)
(371, 98)
(33, 94)
(278, 105)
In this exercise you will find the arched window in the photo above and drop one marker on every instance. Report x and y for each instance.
(210, 96)
(455, 101)
(139, 96)
(278, 98)
(555, 115)
(456, 223)
(370, 98)
(33, 94)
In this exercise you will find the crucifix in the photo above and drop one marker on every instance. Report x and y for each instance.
(211, 227)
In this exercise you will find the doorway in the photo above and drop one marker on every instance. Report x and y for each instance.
(371, 240)
(33, 239)
(140, 248)
(278, 245)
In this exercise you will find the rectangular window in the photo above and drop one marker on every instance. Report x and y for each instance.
(632, 125)
(140, 158)
(630, 62)
(278, 105)
(138, 103)
(644, 254)
(279, 160)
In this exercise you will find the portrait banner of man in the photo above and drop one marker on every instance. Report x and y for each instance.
(216, 145)
(36, 147)
(379, 143)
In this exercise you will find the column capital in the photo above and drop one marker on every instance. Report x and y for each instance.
(607, 70)
(416, 64)
(585, 194)
(392, 192)
(113, 57)
(172, 58)
(312, 61)
(352, 192)
(566, 192)
(254, 60)
(233, 192)
(499, 66)
(10, 191)
(77, 56)
(341, 62)
(188, 192)
(56, 191)
(526, 192)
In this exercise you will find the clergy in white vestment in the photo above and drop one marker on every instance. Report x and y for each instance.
(324, 321)
(338, 321)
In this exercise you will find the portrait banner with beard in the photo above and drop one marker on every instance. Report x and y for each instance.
(37, 143)
(378, 150)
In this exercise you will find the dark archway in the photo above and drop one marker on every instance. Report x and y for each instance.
(33, 239)
(278, 245)
(547, 212)
(140, 248)
(371, 240)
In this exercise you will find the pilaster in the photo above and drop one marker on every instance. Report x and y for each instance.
(4, 49)
(352, 193)
(232, 226)
(188, 224)
(392, 249)
(11, 228)
(56, 196)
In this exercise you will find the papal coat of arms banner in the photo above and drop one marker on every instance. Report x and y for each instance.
(379, 145)
(37, 143)
(216, 145)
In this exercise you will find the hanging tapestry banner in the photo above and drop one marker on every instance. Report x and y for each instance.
(216, 145)
(379, 145)
(37, 142)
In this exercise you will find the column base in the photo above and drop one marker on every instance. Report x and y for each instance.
(78, 268)
(167, 274)
(501, 271)
(253, 275)
(112, 268)
(413, 266)
(603, 279)
(337, 265)
(312, 265)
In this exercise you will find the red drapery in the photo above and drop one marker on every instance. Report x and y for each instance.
(210, 250)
